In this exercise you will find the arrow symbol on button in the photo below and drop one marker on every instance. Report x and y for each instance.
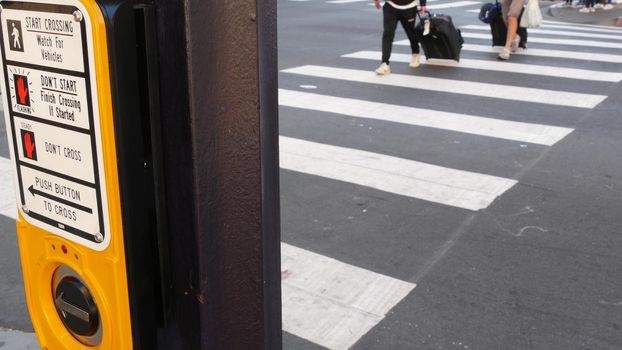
(68, 308)
(34, 193)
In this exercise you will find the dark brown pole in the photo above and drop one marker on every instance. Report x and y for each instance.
(218, 82)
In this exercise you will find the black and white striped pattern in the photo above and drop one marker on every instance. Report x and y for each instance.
(314, 312)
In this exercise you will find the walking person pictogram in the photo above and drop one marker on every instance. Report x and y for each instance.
(16, 42)
(15, 35)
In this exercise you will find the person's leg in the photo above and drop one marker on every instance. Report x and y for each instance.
(522, 33)
(390, 23)
(512, 27)
(513, 8)
(407, 20)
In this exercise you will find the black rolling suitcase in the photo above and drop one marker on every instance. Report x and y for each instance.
(500, 31)
(443, 41)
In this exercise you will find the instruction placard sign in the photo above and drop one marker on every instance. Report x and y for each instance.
(52, 118)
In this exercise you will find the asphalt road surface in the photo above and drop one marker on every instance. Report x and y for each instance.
(471, 205)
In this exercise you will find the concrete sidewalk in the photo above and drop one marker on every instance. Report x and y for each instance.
(570, 14)
(16, 340)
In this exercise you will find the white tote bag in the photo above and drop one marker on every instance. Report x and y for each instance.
(532, 17)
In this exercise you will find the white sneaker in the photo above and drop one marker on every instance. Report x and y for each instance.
(504, 55)
(598, 6)
(608, 7)
(415, 60)
(592, 9)
(584, 10)
(383, 69)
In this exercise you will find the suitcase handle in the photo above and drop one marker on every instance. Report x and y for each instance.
(427, 14)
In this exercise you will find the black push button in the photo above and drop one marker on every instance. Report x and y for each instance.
(76, 307)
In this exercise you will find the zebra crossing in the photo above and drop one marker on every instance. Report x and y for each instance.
(407, 177)
(523, 94)
(534, 69)
(432, 4)
(332, 303)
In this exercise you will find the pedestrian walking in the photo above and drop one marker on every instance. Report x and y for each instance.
(589, 7)
(511, 10)
(604, 4)
(405, 12)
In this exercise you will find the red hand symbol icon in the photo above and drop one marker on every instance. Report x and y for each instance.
(22, 91)
(30, 146)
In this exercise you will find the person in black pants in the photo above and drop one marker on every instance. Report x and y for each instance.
(405, 12)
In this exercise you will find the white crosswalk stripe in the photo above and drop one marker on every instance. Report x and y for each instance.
(553, 41)
(569, 55)
(518, 68)
(382, 3)
(448, 5)
(331, 303)
(551, 32)
(404, 177)
(344, 1)
(503, 129)
(581, 25)
(576, 29)
(506, 92)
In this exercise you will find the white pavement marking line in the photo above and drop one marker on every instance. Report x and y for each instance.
(503, 129)
(344, 1)
(551, 41)
(551, 32)
(574, 28)
(584, 56)
(519, 68)
(506, 92)
(7, 189)
(382, 3)
(452, 5)
(332, 303)
(583, 25)
(472, 11)
(457, 188)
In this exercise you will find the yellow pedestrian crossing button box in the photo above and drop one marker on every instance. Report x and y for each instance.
(55, 121)
(82, 133)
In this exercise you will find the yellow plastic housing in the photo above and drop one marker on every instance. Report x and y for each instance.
(103, 272)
